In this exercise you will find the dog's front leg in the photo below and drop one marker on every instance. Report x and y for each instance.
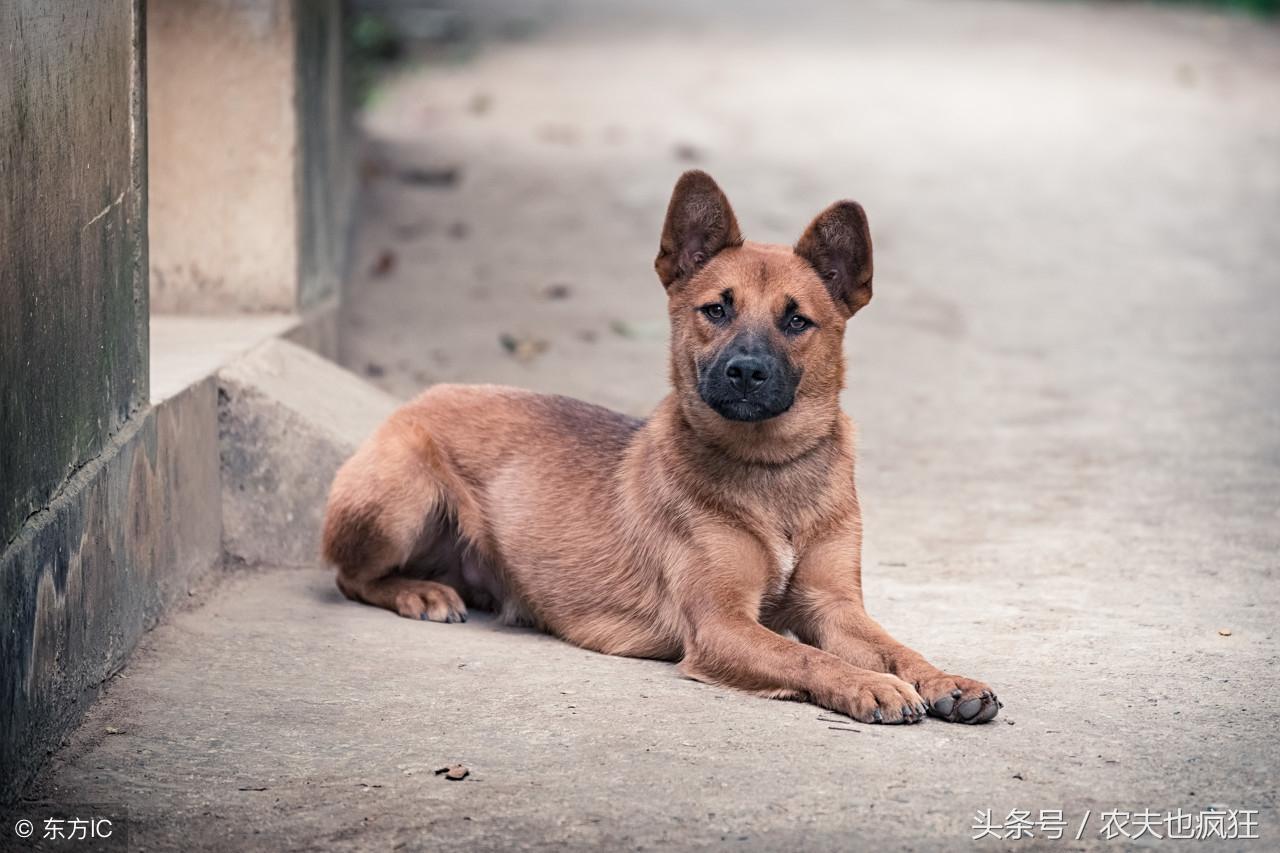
(825, 609)
(719, 595)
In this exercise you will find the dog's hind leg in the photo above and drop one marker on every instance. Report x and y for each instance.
(386, 501)
(411, 598)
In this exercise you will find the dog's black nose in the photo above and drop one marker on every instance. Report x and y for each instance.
(746, 373)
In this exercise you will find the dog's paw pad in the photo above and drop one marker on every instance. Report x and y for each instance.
(960, 700)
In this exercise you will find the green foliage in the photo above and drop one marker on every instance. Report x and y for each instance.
(1254, 7)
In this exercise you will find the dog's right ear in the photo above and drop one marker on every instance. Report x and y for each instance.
(699, 224)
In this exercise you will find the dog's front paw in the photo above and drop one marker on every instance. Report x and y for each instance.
(884, 699)
(959, 700)
(430, 601)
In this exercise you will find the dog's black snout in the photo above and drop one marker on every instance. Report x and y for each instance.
(746, 373)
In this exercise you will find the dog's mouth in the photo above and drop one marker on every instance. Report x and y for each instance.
(748, 410)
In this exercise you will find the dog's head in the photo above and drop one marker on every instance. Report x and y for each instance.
(757, 330)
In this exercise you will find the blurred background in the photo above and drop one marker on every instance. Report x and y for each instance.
(1067, 389)
(1074, 207)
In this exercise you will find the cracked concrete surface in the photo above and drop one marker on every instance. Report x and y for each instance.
(1068, 392)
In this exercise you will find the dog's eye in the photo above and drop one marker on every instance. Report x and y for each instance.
(714, 312)
(797, 323)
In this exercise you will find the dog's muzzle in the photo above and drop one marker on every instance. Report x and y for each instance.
(748, 382)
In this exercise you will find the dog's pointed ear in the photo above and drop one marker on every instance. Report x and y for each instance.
(838, 246)
(699, 224)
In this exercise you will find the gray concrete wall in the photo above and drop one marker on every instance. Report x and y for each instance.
(132, 532)
(73, 241)
(110, 509)
(249, 181)
(223, 189)
(325, 170)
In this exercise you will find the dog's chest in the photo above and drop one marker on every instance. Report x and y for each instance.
(784, 564)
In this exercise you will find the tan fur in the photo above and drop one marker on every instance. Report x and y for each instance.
(686, 537)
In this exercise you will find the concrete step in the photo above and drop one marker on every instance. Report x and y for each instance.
(287, 418)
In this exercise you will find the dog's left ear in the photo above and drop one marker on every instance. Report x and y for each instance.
(699, 223)
(838, 246)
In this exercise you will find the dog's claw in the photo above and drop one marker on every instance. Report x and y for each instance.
(877, 716)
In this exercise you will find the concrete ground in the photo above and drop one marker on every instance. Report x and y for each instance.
(1068, 391)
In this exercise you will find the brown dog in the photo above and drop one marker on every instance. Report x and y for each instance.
(700, 535)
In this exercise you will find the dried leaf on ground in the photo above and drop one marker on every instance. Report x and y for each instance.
(430, 176)
(384, 263)
(525, 348)
(652, 330)
(556, 291)
(454, 772)
(687, 152)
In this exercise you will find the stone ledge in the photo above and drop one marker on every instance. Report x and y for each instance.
(287, 419)
(86, 577)
(150, 517)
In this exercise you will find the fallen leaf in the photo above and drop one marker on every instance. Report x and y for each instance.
(652, 330)
(1224, 632)
(556, 291)
(112, 730)
(411, 230)
(454, 772)
(385, 263)
(430, 176)
(372, 168)
(687, 152)
(525, 348)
